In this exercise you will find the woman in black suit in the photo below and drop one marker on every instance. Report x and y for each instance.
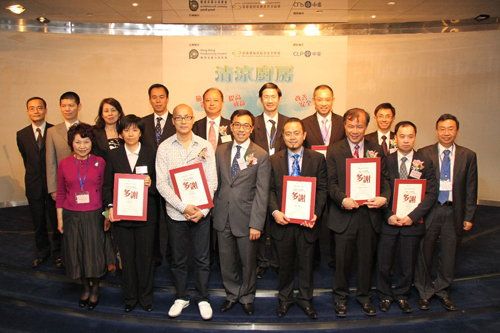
(134, 238)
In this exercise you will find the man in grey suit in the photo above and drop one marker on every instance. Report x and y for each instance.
(239, 215)
(452, 214)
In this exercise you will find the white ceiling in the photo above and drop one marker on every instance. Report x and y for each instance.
(249, 11)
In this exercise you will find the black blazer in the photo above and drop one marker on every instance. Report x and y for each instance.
(149, 135)
(313, 165)
(101, 142)
(117, 162)
(259, 134)
(339, 218)
(464, 184)
(313, 130)
(418, 227)
(200, 128)
(373, 138)
(35, 180)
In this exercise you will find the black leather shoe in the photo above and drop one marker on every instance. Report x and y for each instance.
(92, 305)
(368, 309)
(424, 304)
(261, 271)
(309, 311)
(227, 305)
(447, 303)
(341, 308)
(385, 305)
(129, 307)
(58, 262)
(83, 303)
(283, 308)
(404, 306)
(248, 308)
(148, 308)
(38, 261)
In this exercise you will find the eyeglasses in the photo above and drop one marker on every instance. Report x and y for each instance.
(181, 118)
(237, 126)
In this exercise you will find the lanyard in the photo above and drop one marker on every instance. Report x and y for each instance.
(82, 179)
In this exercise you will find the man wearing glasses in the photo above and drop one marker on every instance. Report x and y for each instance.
(188, 226)
(239, 215)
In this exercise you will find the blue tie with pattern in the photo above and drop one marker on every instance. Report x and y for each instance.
(158, 130)
(445, 175)
(235, 168)
(295, 165)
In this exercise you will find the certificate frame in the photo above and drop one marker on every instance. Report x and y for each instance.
(358, 163)
(118, 199)
(312, 203)
(320, 149)
(419, 185)
(196, 168)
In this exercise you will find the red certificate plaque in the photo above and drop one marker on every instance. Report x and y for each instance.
(362, 178)
(130, 197)
(190, 185)
(408, 194)
(320, 149)
(298, 198)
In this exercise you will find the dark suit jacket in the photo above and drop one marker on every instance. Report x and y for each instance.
(149, 135)
(259, 134)
(313, 130)
(313, 165)
(373, 138)
(102, 146)
(243, 200)
(464, 184)
(418, 227)
(339, 218)
(35, 180)
(200, 128)
(117, 162)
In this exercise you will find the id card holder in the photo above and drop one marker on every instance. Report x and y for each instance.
(82, 197)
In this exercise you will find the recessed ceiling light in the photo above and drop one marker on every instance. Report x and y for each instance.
(391, 3)
(481, 17)
(42, 19)
(16, 9)
(374, 16)
(149, 17)
(261, 15)
(262, 2)
(135, 4)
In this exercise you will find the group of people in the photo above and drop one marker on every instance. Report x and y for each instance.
(72, 166)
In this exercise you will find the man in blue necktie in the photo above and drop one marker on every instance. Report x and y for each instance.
(452, 214)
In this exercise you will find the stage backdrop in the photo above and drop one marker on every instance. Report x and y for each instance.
(239, 66)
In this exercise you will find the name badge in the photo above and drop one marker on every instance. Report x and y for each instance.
(242, 163)
(416, 174)
(82, 197)
(226, 138)
(141, 170)
(445, 185)
(271, 151)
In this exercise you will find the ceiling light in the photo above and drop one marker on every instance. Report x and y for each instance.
(374, 16)
(42, 19)
(261, 15)
(262, 2)
(16, 9)
(149, 17)
(481, 17)
(135, 4)
(391, 3)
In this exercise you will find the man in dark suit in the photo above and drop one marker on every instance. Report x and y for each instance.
(405, 230)
(324, 128)
(31, 144)
(158, 126)
(354, 224)
(240, 207)
(214, 128)
(268, 134)
(452, 214)
(385, 114)
(295, 243)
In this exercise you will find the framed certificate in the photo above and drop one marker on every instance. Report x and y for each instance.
(130, 197)
(320, 149)
(190, 185)
(362, 178)
(298, 198)
(408, 194)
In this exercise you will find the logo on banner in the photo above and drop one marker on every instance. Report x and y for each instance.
(193, 5)
(306, 53)
(306, 4)
(193, 54)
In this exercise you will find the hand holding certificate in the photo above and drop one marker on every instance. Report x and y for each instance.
(190, 185)
(130, 197)
(408, 194)
(363, 179)
(298, 199)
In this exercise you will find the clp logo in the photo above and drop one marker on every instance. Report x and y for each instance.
(193, 5)
(193, 54)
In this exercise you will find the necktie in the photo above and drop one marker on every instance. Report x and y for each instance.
(403, 171)
(272, 134)
(445, 175)
(384, 145)
(234, 166)
(295, 165)
(211, 135)
(356, 151)
(325, 132)
(158, 130)
(39, 137)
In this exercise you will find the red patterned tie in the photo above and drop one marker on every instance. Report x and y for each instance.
(356, 151)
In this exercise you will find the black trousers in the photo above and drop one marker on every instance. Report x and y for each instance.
(43, 215)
